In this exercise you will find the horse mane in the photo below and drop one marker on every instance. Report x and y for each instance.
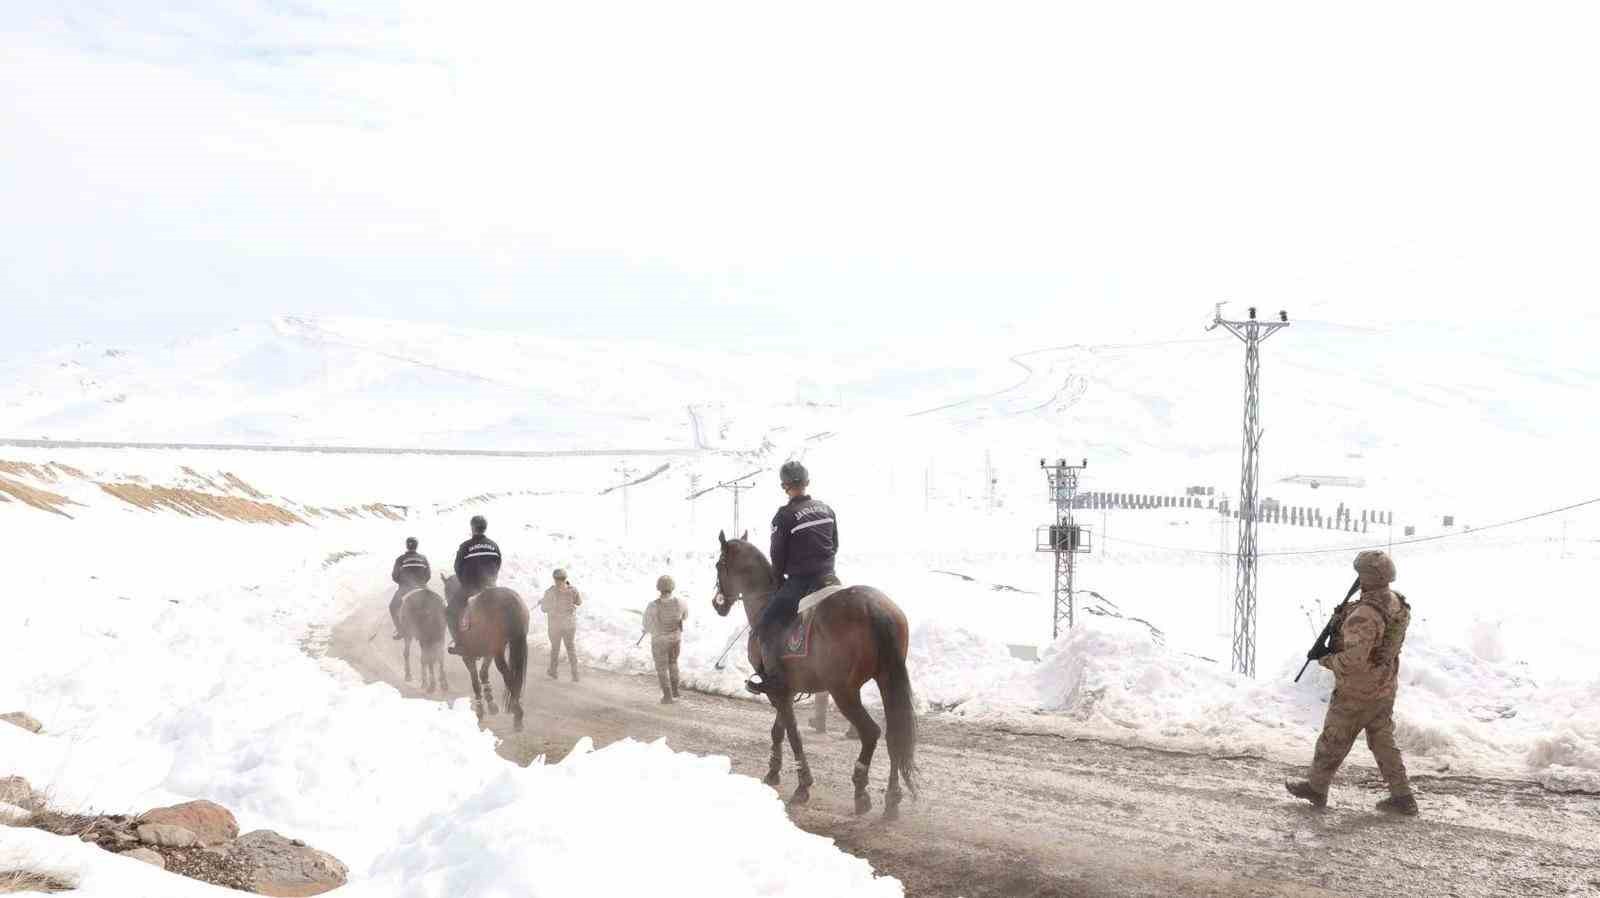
(753, 554)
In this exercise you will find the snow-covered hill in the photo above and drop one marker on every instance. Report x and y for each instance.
(1418, 416)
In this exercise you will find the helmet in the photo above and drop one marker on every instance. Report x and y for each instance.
(479, 525)
(794, 474)
(664, 584)
(1374, 568)
(411, 544)
(559, 574)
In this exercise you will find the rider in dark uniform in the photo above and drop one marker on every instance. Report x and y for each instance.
(805, 538)
(411, 571)
(477, 568)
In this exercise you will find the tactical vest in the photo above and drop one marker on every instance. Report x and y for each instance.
(669, 616)
(1390, 641)
(1387, 651)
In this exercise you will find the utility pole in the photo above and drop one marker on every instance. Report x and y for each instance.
(627, 473)
(1065, 539)
(1251, 332)
(988, 482)
(736, 486)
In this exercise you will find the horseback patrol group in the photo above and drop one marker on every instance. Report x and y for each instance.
(1361, 645)
(477, 568)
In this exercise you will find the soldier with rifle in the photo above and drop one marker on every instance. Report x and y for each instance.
(1361, 645)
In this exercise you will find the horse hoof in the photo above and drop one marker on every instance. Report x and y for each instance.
(773, 779)
(891, 813)
(408, 678)
(494, 708)
(800, 796)
(863, 804)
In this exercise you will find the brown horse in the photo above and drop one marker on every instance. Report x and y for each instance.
(857, 635)
(422, 618)
(492, 625)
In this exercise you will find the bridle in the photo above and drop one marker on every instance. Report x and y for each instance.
(720, 600)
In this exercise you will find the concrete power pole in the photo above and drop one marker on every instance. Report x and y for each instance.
(628, 473)
(1251, 332)
(1065, 538)
(736, 488)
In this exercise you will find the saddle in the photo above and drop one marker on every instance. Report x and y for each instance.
(796, 641)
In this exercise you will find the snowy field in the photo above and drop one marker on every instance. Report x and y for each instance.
(165, 653)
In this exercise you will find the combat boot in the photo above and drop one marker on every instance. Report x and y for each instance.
(1303, 789)
(1399, 804)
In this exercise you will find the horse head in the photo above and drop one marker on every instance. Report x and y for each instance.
(741, 570)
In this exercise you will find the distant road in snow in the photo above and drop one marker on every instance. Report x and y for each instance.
(346, 450)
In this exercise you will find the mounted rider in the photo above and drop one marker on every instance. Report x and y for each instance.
(805, 539)
(477, 568)
(411, 571)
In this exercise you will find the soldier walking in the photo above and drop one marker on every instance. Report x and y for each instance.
(1364, 655)
(560, 604)
(663, 620)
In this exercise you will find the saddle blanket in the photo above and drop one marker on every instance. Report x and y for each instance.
(797, 638)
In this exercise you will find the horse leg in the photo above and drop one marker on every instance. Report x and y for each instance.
(488, 690)
(849, 703)
(775, 763)
(407, 652)
(477, 692)
(444, 681)
(802, 792)
(513, 701)
(891, 798)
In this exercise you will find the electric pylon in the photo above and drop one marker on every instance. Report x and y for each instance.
(1065, 538)
(1251, 332)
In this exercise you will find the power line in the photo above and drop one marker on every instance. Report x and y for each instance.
(1399, 542)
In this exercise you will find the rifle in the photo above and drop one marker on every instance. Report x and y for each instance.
(1327, 631)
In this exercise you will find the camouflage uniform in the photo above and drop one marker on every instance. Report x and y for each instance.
(1365, 660)
(560, 604)
(663, 620)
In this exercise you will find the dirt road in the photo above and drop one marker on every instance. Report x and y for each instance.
(1013, 814)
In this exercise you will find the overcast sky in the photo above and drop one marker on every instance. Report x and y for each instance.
(854, 174)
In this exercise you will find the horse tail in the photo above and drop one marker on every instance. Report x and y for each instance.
(894, 682)
(517, 638)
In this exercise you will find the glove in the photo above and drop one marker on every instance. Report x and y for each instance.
(1319, 651)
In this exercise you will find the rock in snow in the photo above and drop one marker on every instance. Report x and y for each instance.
(15, 790)
(166, 835)
(24, 720)
(286, 867)
(211, 823)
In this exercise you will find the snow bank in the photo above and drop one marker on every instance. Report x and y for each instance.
(155, 690)
(1457, 711)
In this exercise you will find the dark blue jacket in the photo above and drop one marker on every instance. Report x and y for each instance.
(411, 569)
(477, 564)
(805, 538)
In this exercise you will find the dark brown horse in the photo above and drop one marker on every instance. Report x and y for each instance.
(857, 635)
(492, 625)
(422, 618)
